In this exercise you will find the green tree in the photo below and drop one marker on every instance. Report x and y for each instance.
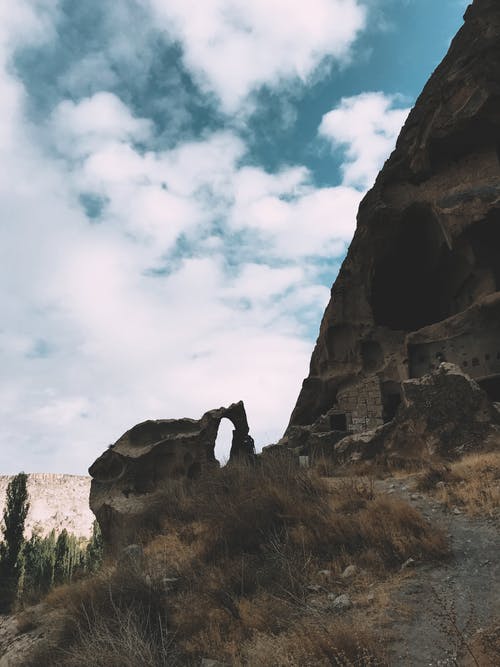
(39, 557)
(94, 552)
(62, 565)
(12, 547)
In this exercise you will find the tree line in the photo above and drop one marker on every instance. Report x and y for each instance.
(30, 568)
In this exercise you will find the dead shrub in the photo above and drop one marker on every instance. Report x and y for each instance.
(472, 484)
(314, 645)
(438, 472)
(104, 618)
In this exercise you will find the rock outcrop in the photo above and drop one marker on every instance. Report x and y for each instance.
(421, 282)
(131, 475)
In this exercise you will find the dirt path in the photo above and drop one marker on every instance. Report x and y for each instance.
(469, 586)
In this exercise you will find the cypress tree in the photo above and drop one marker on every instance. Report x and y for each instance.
(62, 564)
(94, 549)
(12, 547)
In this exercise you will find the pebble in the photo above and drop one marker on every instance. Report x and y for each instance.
(409, 563)
(341, 603)
(349, 572)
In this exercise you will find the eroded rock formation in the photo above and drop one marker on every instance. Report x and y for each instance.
(421, 281)
(130, 476)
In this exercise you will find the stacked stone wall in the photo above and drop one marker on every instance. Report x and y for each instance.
(363, 405)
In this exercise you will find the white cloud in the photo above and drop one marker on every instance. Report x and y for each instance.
(124, 346)
(366, 126)
(90, 341)
(234, 46)
(296, 218)
(103, 118)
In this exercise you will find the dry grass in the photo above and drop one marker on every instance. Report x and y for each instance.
(241, 573)
(378, 468)
(471, 484)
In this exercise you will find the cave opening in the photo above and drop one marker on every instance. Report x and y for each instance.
(491, 386)
(405, 294)
(391, 400)
(421, 281)
(484, 239)
(338, 421)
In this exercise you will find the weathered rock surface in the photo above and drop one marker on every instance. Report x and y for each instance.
(421, 282)
(129, 478)
(22, 635)
(56, 502)
(444, 413)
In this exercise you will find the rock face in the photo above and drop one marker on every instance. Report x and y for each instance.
(421, 282)
(444, 413)
(56, 502)
(132, 474)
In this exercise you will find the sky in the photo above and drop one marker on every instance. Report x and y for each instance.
(179, 183)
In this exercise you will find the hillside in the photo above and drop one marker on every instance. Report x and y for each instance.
(56, 502)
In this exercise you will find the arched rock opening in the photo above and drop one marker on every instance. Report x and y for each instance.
(223, 441)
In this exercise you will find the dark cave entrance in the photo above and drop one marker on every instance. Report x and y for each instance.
(338, 421)
(484, 240)
(491, 386)
(391, 400)
(405, 295)
(421, 281)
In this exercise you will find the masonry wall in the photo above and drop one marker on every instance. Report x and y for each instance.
(363, 405)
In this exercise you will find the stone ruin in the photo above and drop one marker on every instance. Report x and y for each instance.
(128, 479)
(421, 282)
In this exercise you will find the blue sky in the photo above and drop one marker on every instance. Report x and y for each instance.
(179, 184)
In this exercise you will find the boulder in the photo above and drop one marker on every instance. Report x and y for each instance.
(421, 281)
(131, 476)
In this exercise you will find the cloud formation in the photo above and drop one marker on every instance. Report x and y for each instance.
(233, 46)
(150, 279)
(366, 127)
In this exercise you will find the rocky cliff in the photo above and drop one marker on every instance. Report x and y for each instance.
(421, 281)
(56, 502)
